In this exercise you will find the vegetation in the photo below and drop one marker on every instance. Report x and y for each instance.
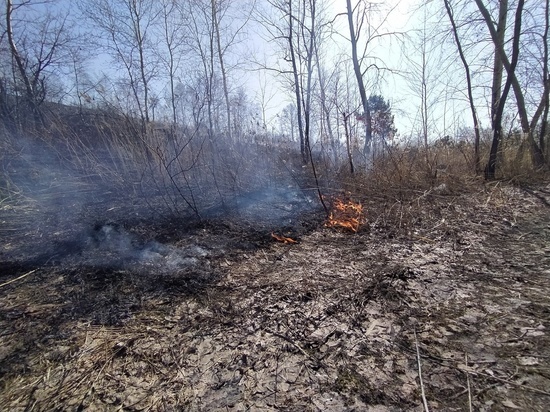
(169, 107)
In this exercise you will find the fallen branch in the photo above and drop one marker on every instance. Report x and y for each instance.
(468, 382)
(424, 400)
(18, 278)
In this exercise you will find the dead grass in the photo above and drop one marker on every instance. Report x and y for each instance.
(328, 323)
(446, 279)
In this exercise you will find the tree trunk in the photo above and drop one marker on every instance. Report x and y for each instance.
(30, 92)
(510, 66)
(545, 101)
(360, 83)
(309, 60)
(297, 89)
(477, 161)
(168, 37)
(498, 99)
(222, 67)
(324, 107)
(348, 141)
(136, 17)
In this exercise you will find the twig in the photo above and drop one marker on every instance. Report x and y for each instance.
(94, 381)
(468, 382)
(503, 380)
(18, 278)
(292, 342)
(447, 362)
(420, 373)
(427, 239)
(524, 234)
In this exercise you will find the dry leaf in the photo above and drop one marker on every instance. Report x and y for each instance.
(509, 404)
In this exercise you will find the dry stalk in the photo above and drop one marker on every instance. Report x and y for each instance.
(307, 355)
(17, 278)
(424, 401)
(503, 380)
(447, 362)
(468, 382)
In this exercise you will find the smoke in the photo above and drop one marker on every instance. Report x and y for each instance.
(49, 202)
(110, 245)
(64, 208)
(268, 208)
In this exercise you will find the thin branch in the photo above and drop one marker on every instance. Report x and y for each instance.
(17, 278)
(424, 401)
(468, 382)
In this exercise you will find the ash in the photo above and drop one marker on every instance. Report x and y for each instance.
(110, 245)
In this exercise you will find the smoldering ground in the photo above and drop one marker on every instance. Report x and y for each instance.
(338, 321)
(109, 211)
(113, 223)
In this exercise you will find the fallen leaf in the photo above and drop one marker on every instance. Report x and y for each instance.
(510, 404)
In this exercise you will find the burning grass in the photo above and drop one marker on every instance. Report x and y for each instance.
(346, 214)
(283, 239)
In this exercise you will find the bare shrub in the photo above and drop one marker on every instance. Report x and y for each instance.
(8, 190)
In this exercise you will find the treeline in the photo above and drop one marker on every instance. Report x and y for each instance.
(175, 76)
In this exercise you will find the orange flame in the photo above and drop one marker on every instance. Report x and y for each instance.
(348, 215)
(283, 239)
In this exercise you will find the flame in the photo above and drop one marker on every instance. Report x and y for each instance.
(283, 239)
(346, 214)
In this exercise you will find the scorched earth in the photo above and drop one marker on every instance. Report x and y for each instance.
(440, 301)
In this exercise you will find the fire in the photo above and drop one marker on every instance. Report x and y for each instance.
(283, 239)
(346, 214)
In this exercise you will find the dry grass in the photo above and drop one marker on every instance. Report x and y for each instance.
(405, 173)
(328, 323)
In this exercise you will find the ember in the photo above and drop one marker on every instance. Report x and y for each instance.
(346, 214)
(283, 239)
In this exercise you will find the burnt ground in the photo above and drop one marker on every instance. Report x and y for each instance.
(443, 297)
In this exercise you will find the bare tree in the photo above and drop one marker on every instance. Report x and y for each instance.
(201, 32)
(297, 38)
(217, 14)
(503, 60)
(367, 27)
(326, 118)
(127, 27)
(309, 35)
(498, 96)
(216, 28)
(345, 98)
(293, 44)
(545, 101)
(173, 32)
(38, 49)
(477, 160)
(324, 76)
(31, 92)
(354, 37)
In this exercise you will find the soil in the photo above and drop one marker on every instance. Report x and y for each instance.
(440, 301)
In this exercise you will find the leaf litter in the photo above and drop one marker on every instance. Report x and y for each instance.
(332, 322)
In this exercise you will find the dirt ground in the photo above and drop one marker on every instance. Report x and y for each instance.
(441, 302)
